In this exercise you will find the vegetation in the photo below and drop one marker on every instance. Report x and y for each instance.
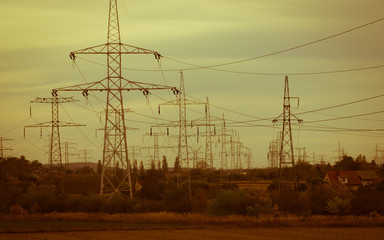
(213, 193)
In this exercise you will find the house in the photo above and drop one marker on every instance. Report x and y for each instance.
(348, 178)
(38, 172)
(351, 179)
(367, 177)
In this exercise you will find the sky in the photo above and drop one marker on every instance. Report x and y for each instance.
(37, 37)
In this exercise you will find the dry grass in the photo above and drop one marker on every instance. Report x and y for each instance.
(201, 220)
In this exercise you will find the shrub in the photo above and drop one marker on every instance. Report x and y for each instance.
(258, 205)
(17, 209)
(290, 201)
(146, 206)
(119, 204)
(177, 200)
(367, 200)
(228, 202)
(339, 206)
(91, 203)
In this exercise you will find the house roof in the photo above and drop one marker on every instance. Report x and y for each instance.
(353, 177)
(367, 175)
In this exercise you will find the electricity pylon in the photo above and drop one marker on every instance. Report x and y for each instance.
(182, 103)
(182, 123)
(2, 148)
(274, 152)
(248, 155)
(156, 146)
(206, 121)
(67, 147)
(86, 156)
(55, 156)
(115, 138)
(286, 157)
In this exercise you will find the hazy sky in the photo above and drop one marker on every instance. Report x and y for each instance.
(37, 37)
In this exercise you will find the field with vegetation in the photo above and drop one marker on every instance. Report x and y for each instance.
(210, 234)
(186, 226)
(227, 205)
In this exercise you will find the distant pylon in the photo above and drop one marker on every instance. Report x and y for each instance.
(182, 102)
(208, 137)
(274, 152)
(55, 156)
(2, 148)
(67, 147)
(183, 137)
(115, 148)
(286, 157)
(224, 164)
(156, 146)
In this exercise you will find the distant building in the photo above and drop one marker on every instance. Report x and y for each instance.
(38, 172)
(351, 179)
(367, 177)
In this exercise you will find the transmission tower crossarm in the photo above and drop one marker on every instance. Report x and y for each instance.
(102, 85)
(60, 124)
(187, 102)
(54, 100)
(114, 48)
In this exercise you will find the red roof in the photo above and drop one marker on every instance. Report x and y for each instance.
(352, 176)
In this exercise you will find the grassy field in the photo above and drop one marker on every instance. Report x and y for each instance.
(65, 226)
(212, 233)
(157, 221)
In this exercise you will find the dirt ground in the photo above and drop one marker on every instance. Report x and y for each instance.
(205, 234)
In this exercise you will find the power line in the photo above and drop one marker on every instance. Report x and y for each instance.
(243, 72)
(341, 105)
(345, 117)
(277, 52)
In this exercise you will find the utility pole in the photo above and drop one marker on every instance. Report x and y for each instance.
(67, 147)
(274, 152)
(86, 155)
(249, 157)
(115, 137)
(224, 164)
(134, 152)
(379, 160)
(156, 146)
(207, 123)
(182, 103)
(2, 148)
(55, 156)
(196, 160)
(286, 157)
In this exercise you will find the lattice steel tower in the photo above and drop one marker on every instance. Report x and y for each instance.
(55, 156)
(115, 141)
(2, 148)
(286, 157)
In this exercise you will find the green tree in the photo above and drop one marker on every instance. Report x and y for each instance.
(347, 163)
(141, 169)
(228, 202)
(135, 170)
(177, 165)
(99, 167)
(338, 205)
(165, 164)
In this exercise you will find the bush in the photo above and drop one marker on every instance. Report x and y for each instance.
(367, 200)
(319, 196)
(290, 201)
(258, 205)
(119, 204)
(228, 202)
(339, 206)
(177, 200)
(91, 203)
(146, 206)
